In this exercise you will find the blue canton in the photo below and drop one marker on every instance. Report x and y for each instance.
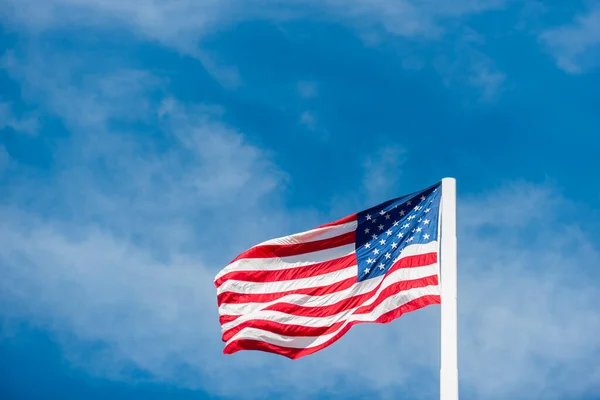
(385, 230)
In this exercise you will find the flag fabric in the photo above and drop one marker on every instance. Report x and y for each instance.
(298, 294)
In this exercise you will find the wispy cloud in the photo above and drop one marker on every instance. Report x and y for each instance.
(150, 20)
(177, 24)
(488, 80)
(520, 276)
(576, 47)
(4, 159)
(382, 173)
(137, 231)
(307, 89)
(462, 63)
(24, 124)
(412, 18)
(193, 19)
(308, 119)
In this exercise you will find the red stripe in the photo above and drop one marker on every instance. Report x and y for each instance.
(223, 319)
(283, 329)
(246, 344)
(286, 250)
(301, 330)
(418, 260)
(406, 262)
(345, 220)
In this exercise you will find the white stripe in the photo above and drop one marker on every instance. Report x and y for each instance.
(330, 278)
(404, 274)
(313, 234)
(302, 342)
(274, 264)
(370, 284)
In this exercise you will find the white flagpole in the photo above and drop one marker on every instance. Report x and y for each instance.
(448, 283)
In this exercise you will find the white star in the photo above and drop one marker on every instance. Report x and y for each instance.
(396, 223)
(426, 222)
(402, 213)
(417, 208)
(389, 232)
(427, 210)
(400, 235)
(422, 197)
(410, 239)
(426, 236)
(367, 245)
(368, 217)
(380, 227)
(411, 217)
(382, 212)
(420, 219)
(405, 226)
(382, 242)
(370, 261)
(408, 203)
(419, 229)
(376, 251)
(381, 266)
(387, 216)
(367, 230)
(367, 270)
(374, 236)
(388, 256)
(394, 245)
(374, 220)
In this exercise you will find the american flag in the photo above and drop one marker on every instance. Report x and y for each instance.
(298, 294)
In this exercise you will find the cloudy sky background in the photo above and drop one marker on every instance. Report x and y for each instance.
(144, 144)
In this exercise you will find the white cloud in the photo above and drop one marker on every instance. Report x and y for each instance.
(201, 161)
(382, 173)
(461, 62)
(527, 318)
(576, 47)
(4, 159)
(27, 124)
(412, 18)
(308, 119)
(138, 228)
(307, 89)
(488, 80)
(177, 23)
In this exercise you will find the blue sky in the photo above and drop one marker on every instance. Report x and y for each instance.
(144, 144)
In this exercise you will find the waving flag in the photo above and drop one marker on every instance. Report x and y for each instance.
(298, 294)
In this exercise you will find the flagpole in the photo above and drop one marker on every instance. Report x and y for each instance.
(448, 283)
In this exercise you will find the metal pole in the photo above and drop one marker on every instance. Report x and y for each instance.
(448, 283)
